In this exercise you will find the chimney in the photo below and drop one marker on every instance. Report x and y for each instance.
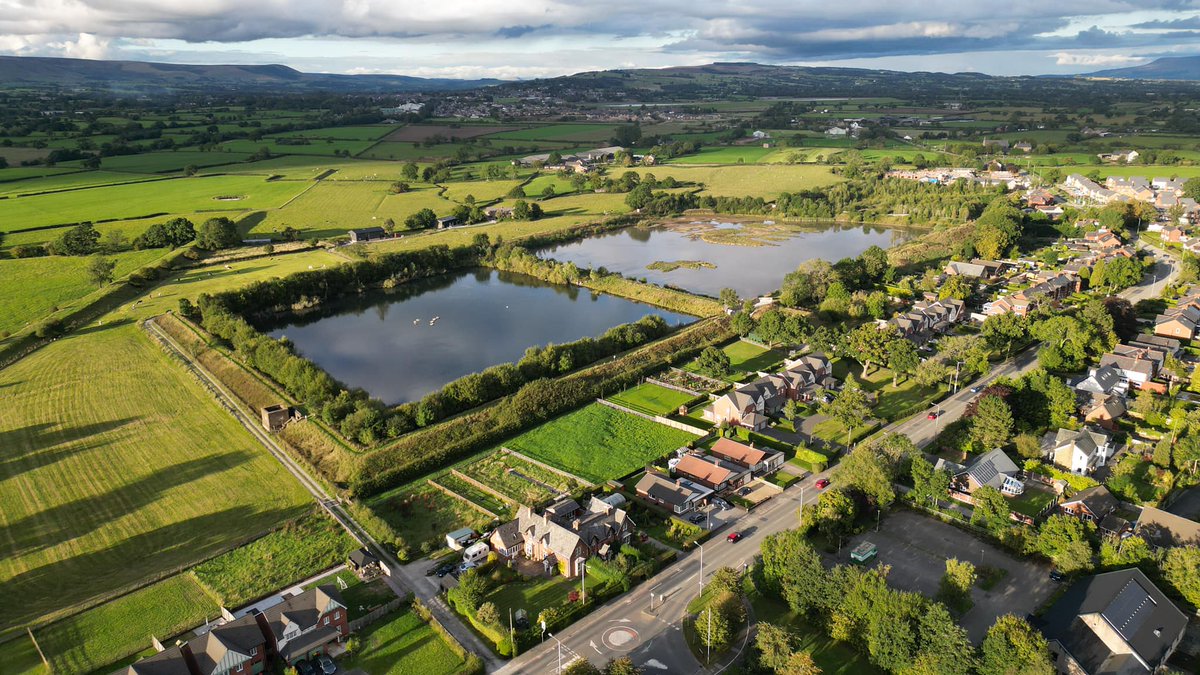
(546, 518)
(575, 524)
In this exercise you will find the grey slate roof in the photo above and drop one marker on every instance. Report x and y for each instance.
(1130, 604)
(1097, 499)
(665, 490)
(1101, 380)
(226, 646)
(303, 610)
(991, 468)
(166, 662)
(1166, 530)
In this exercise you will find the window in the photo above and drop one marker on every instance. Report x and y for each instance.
(337, 614)
(254, 651)
(326, 621)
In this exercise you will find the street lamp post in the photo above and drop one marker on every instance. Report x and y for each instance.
(560, 646)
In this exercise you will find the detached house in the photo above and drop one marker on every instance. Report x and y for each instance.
(1116, 622)
(714, 474)
(1136, 365)
(1092, 505)
(759, 461)
(235, 648)
(305, 625)
(565, 535)
(993, 469)
(805, 375)
(679, 495)
(1102, 381)
(749, 404)
(1079, 452)
(1163, 530)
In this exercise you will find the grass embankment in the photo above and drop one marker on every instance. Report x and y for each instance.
(403, 644)
(667, 298)
(119, 467)
(599, 443)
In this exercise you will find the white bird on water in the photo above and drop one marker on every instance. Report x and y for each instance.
(434, 320)
(416, 321)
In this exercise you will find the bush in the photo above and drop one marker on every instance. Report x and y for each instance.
(50, 328)
(29, 251)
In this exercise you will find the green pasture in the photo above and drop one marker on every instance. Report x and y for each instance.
(403, 644)
(572, 133)
(748, 181)
(324, 147)
(361, 133)
(652, 399)
(599, 443)
(182, 195)
(118, 466)
(164, 162)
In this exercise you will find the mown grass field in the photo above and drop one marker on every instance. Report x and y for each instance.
(599, 443)
(31, 288)
(69, 181)
(738, 154)
(115, 467)
(481, 190)
(109, 633)
(403, 644)
(20, 657)
(296, 551)
(597, 133)
(182, 195)
(362, 133)
(163, 162)
(748, 181)
(745, 357)
(651, 399)
(323, 147)
(328, 209)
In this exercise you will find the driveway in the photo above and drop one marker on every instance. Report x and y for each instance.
(917, 547)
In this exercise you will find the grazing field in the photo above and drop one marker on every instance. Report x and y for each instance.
(115, 630)
(403, 644)
(363, 133)
(31, 288)
(296, 551)
(183, 195)
(523, 481)
(748, 181)
(162, 162)
(419, 132)
(116, 466)
(69, 181)
(421, 513)
(25, 172)
(652, 399)
(592, 133)
(738, 154)
(300, 146)
(328, 209)
(413, 151)
(481, 190)
(599, 443)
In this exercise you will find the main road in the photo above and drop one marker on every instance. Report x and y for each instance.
(646, 624)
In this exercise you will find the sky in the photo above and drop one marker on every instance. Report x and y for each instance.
(541, 38)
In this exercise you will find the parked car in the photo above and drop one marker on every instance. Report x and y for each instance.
(468, 565)
(721, 504)
(823, 483)
(697, 518)
(445, 568)
(744, 491)
(933, 414)
(976, 389)
(734, 537)
(305, 668)
(1056, 576)
(328, 667)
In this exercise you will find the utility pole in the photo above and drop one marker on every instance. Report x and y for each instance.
(583, 581)
(708, 656)
(511, 637)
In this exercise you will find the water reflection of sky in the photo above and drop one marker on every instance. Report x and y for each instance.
(484, 318)
(750, 270)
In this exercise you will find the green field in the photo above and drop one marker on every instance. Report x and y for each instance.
(182, 195)
(738, 154)
(163, 162)
(363, 133)
(323, 147)
(511, 476)
(115, 630)
(403, 644)
(31, 288)
(592, 133)
(748, 181)
(20, 657)
(331, 208)
(746, 357)
(422, 513)
(294, 552)
(652, 399)
(70, 181)
(116, 467)
(599, 443)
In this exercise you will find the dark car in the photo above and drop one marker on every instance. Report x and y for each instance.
(328, 667)
(305, 668)
(733, 537)
(445, 568)
(823, 483)
(976, 389)
(1057, 576)
(697, 518)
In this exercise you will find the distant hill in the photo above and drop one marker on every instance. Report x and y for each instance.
(1166, 68)
(29, 72)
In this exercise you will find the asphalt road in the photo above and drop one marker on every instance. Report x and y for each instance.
(646, 624)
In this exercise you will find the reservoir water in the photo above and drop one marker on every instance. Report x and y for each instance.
(750, 257)
(390, 344)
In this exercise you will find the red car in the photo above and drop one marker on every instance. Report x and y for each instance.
(733, 537)
(932, 416)
(823, 483)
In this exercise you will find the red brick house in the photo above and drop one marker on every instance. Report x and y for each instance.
(304, 625)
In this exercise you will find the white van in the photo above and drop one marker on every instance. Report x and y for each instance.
(477, 552)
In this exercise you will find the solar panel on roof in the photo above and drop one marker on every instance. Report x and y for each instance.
(1129, 609)
(984, 471)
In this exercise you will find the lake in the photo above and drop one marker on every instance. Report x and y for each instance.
(750, 257)
(384, 342)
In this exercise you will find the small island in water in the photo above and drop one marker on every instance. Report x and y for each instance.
(671, 266)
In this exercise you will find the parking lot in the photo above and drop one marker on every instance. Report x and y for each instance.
(917, 547)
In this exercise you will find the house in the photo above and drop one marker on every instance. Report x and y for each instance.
(1164, 530)
(458, 539)
(565, 535)
(173, 661)
(448, 221)
(1104, 411)
(714, 474)
(1115, 622)
(1136, 365)
(238, 647)
(498, 212)
(760, 462)
(305, 625)
(1023, 146)
(803, 377)
(999, 144)
(1086, 189)
(1092, 505)
(1079, 452)
(367, 234)
(1103, 381)
(1040, 198)
(836, 131)
(749, 404)
(1051, 289)
(1169, 346)
(680, 495)
(1179, 322)
(1102, 240)
(364, 564)
(994, 469)
(1123, 157)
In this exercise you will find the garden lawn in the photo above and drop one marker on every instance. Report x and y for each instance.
(746, 357)
(599, 443)
(532, 596)
(115, 630)
(292, 553)
(20, 657)
(652, 399)
(508, 475)
(403, 644)
(217, 194)
(422, 513)
(360, 596)
(1031, 502)
(116, 466)
(31, 288)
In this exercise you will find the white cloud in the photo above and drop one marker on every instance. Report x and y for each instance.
(1074, 59)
